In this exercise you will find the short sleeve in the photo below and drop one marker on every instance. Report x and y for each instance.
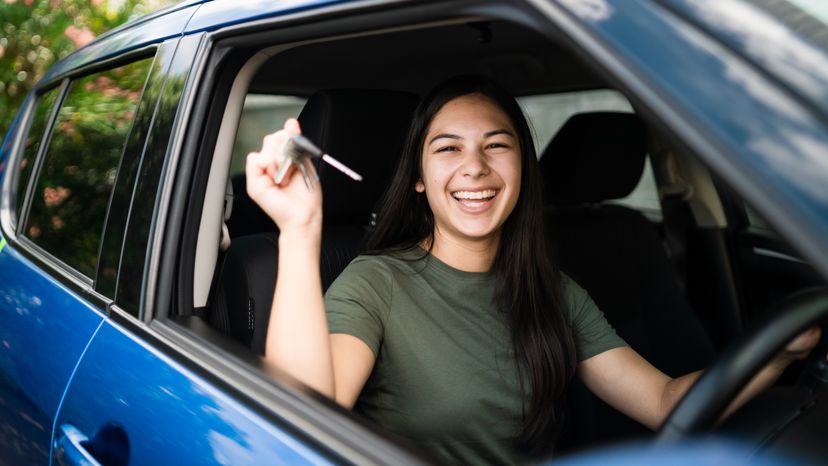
(593, 334)
(358, 302)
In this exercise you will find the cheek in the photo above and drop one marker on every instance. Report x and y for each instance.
(510, 170)
(436, 174)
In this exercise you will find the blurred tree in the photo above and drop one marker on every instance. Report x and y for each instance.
(36, 33)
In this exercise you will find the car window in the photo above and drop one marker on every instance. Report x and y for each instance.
(73, 186)
(40, 119)
(548, 113)
(756, 221)
(262, 114)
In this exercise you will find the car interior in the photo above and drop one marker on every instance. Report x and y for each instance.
(678, 278)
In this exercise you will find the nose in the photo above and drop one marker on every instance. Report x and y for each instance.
(475, 164)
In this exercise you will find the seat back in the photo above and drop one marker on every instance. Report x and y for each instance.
(365, 130)
(618, 256)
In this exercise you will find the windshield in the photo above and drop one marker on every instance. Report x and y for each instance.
(807, 18)
(816, 8)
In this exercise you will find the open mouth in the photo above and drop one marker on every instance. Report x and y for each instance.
(474, 199)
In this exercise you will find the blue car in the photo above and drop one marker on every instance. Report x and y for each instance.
(684, 148)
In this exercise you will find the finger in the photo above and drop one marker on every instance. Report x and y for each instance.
(281, 176)
(292, 126)
(273, 144)
(257, 167)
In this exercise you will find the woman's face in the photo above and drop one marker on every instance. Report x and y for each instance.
(470, 169)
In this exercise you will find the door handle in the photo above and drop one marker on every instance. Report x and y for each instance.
(70, 449)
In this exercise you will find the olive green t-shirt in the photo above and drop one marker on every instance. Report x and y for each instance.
(444, 375)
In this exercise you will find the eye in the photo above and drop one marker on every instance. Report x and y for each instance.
(497, 145)
(447, 149)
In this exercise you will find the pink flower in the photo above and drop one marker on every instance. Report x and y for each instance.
(55, 196)
(79, 36)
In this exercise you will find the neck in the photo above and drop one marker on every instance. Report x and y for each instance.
(465, 255)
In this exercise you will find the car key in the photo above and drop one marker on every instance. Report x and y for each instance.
(299, 147)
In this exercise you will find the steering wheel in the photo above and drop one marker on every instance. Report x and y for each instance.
(710, 396)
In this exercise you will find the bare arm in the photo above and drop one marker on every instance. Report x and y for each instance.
(298, 341)
(623, 379)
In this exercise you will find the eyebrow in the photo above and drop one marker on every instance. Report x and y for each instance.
(444, 135)
(498, 131)
(485, 135)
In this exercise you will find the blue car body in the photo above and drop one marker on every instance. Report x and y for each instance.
(78, 373)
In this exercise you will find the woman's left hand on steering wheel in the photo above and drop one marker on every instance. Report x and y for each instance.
(800, 347)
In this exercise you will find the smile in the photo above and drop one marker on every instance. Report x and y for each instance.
(474, 199)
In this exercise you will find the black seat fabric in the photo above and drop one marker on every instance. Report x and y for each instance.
(365, 130)
(617, 255)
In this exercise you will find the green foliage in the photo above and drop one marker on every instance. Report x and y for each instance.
(79, 169)
(34, 34)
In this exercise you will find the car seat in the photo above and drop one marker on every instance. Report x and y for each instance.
(365, 130)
(618, 256)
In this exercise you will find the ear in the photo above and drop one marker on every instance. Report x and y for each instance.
(419, 186)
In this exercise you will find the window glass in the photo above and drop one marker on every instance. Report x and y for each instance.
(548, 113)
(32, 143)
(78, 171)
(262, 115)
(755, 220)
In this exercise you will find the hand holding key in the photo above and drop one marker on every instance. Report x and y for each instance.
(288, 202)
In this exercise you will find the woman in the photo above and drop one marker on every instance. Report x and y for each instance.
(457, 331)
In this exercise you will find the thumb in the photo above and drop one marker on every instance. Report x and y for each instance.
(292, 126)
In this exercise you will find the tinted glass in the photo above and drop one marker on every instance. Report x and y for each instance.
(548, 113)
(32, 144)
(75, 181)
(262, 115)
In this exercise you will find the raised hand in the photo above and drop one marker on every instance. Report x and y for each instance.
(290, 204)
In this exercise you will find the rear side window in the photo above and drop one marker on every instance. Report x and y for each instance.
(71, 194)
(262, 114)
(36, 135)
(548, 113)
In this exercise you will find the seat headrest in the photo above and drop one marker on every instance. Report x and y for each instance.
(594, 157)
(365, 130)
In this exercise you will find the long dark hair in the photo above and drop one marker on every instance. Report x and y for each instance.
(529, 285)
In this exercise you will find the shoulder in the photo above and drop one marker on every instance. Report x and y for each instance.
(575, 296)
(376, 266)
(579, 304)
(373, 274)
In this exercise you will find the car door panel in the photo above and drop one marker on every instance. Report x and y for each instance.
(44, 328)
(167, 413)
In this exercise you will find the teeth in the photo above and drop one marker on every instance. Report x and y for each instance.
(485, 194)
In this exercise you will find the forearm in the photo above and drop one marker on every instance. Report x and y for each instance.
(676, 388)
(297, 337)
